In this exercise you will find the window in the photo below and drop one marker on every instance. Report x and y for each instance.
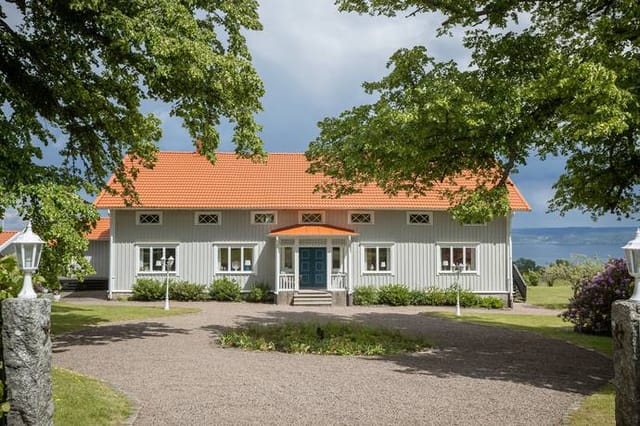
(464, 255)
(336, 259)
(150, 259)
(237, 259)
(376, 259)
(419, 218)
(286, 260)
(311, 217)
(207, 218)
(264, 218)
(148, 218)
(360, 218)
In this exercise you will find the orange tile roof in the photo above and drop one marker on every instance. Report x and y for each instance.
(186, 180)
(6, 236)
(311, 230)
(101, 231)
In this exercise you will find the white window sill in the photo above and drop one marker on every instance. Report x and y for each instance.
(235, 272)
(456, 273)
(156, 273)
(377, 272)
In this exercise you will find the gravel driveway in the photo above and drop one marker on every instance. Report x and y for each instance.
(178, 375)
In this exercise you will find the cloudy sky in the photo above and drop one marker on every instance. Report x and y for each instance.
(313, 60)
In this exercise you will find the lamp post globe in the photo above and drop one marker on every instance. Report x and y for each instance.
(632, 256)
(28, 246)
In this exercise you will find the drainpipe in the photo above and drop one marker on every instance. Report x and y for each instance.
(348, 269)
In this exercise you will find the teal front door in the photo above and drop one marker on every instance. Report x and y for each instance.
(313, 267)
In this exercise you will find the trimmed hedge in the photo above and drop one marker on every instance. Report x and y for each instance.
(259, 293)
(400, 295)
(147, 289)
(187, 292)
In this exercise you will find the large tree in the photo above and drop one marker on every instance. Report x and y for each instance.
(73, 75)
(554, 77)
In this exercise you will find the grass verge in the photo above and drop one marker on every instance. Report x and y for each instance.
(67, 317)
(598, 408)
(81, 400)
(333, 338)
(556, 297)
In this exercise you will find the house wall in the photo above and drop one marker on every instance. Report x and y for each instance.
(98, 252)
(415, 258)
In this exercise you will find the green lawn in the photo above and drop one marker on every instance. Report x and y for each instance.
(81, 400)
(67, 317)
(556, 297)
(598, 408)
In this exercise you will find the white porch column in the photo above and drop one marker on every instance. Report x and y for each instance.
(296, 264)
(329, 262)
(277, 284)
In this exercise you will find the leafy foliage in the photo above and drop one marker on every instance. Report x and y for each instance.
(590, 307)
(563, 272)
(400, 295)
(334, 338)
(225, 290)
(365, 295)
(394, 295)
(186, 291)
(560, 82)
(147, 289)
(526, 265)
(259, 293)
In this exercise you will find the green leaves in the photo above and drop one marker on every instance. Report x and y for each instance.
(565, 82)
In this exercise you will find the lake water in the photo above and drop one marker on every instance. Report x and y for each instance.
(545, 245)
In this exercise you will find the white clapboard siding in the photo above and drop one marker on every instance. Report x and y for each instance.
(414, 247)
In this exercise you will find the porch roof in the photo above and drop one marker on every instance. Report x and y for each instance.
(312, 230)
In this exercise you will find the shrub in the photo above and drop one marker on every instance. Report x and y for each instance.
(491, 302)
(590, 307)
(186, 291)
(146, 289)
(259, 293)
(365, 296)
(532, 278)
(225, 290)
(394, 295)
(564, 273)
(418, 298)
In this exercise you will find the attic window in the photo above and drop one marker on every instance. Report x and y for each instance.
(360, 217)
(207, 218)
(311, 217)
(419, 218)
(147, 218)
(263, 218)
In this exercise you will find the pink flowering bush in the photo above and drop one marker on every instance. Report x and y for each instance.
(590, 307)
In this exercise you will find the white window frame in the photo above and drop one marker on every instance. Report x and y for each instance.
(320, 212)
(140, 213)
(369, 212)
(152, 246)
(464, 246)
(363, 258)
(409, 213)
(255, 212)
(341, 255)
(233, 245)
(196, 217)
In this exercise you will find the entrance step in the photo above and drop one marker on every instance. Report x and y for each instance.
(312, 298)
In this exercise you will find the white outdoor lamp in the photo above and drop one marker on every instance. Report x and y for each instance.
(458, 268)
(168, 263)
(28, 250)
(632, 256)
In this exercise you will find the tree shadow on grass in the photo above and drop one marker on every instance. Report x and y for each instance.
(114, 333)
(472, 350)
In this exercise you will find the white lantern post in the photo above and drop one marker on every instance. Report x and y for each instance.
(168, 263)
(632, 256)
(28, 248)
(458, 269)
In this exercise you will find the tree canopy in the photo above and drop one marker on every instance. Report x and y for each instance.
(547, 78)
(74, 74)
